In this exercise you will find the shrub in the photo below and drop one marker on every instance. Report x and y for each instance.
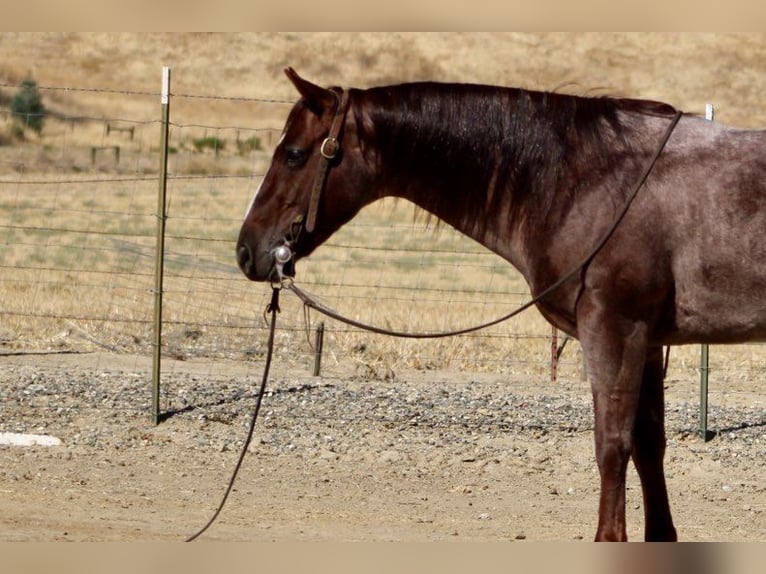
(27, 106)
(250, 144)
(209, 142)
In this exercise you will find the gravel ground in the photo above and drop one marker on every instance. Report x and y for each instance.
(425, 456)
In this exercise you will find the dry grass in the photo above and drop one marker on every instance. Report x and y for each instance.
(95, 274)
(79, 261)
(687, 70)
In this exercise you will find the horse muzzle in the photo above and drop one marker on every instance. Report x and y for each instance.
(272, 265)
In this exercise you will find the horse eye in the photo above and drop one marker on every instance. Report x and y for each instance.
(295, 157)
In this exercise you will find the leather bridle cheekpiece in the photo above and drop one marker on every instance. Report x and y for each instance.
(328, 152)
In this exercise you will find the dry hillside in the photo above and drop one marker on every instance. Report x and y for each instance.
(686, 70)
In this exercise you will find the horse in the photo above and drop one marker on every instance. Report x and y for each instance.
(675, 205)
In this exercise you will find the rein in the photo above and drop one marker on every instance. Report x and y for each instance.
(329, 150)
(311, 301)
(273, 308)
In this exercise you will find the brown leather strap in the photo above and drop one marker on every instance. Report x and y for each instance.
(311, 302)
(328, 151)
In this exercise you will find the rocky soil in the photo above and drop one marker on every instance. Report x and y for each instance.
(425, 456)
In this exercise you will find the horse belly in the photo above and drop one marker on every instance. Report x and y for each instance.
(715, 237)
(721, 302)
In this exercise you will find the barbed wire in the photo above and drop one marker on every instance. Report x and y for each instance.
(156, 94)
(223, 128)
(235, 98)
(81, 89)
(388, 292)
(132, 179)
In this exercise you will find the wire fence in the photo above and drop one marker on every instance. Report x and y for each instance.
(78, 221)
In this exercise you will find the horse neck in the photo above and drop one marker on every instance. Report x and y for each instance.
(500, 164)
(457, 153)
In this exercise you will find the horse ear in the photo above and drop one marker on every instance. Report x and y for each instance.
(317, 98)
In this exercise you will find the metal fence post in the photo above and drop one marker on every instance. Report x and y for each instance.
(318, 345)
(160, 251)
(705, 350)
(554, 354)
(704, 369)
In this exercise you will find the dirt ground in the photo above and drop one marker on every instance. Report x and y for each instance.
(426, 456)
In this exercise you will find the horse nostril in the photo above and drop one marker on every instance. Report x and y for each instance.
(244, 258)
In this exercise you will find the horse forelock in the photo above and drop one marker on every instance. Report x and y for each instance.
(474, 145)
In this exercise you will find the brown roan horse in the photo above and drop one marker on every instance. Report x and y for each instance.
(538, 178)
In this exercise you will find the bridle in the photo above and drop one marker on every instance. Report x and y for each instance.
(328, 151)
(282, 255)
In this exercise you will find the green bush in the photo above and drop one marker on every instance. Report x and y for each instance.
(27, 106)
(210, 142)
(250, 144)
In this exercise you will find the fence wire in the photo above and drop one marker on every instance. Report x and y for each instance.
(77, 229)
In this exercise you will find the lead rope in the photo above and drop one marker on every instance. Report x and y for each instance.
(273, 308)
(311, 302)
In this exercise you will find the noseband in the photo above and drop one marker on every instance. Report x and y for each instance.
(328, 152)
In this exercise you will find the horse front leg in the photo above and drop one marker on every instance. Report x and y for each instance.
(614, 352)
(649, 450)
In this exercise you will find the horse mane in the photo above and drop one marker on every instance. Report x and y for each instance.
(473, 142)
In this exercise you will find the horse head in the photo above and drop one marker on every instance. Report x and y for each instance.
(315, 184)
